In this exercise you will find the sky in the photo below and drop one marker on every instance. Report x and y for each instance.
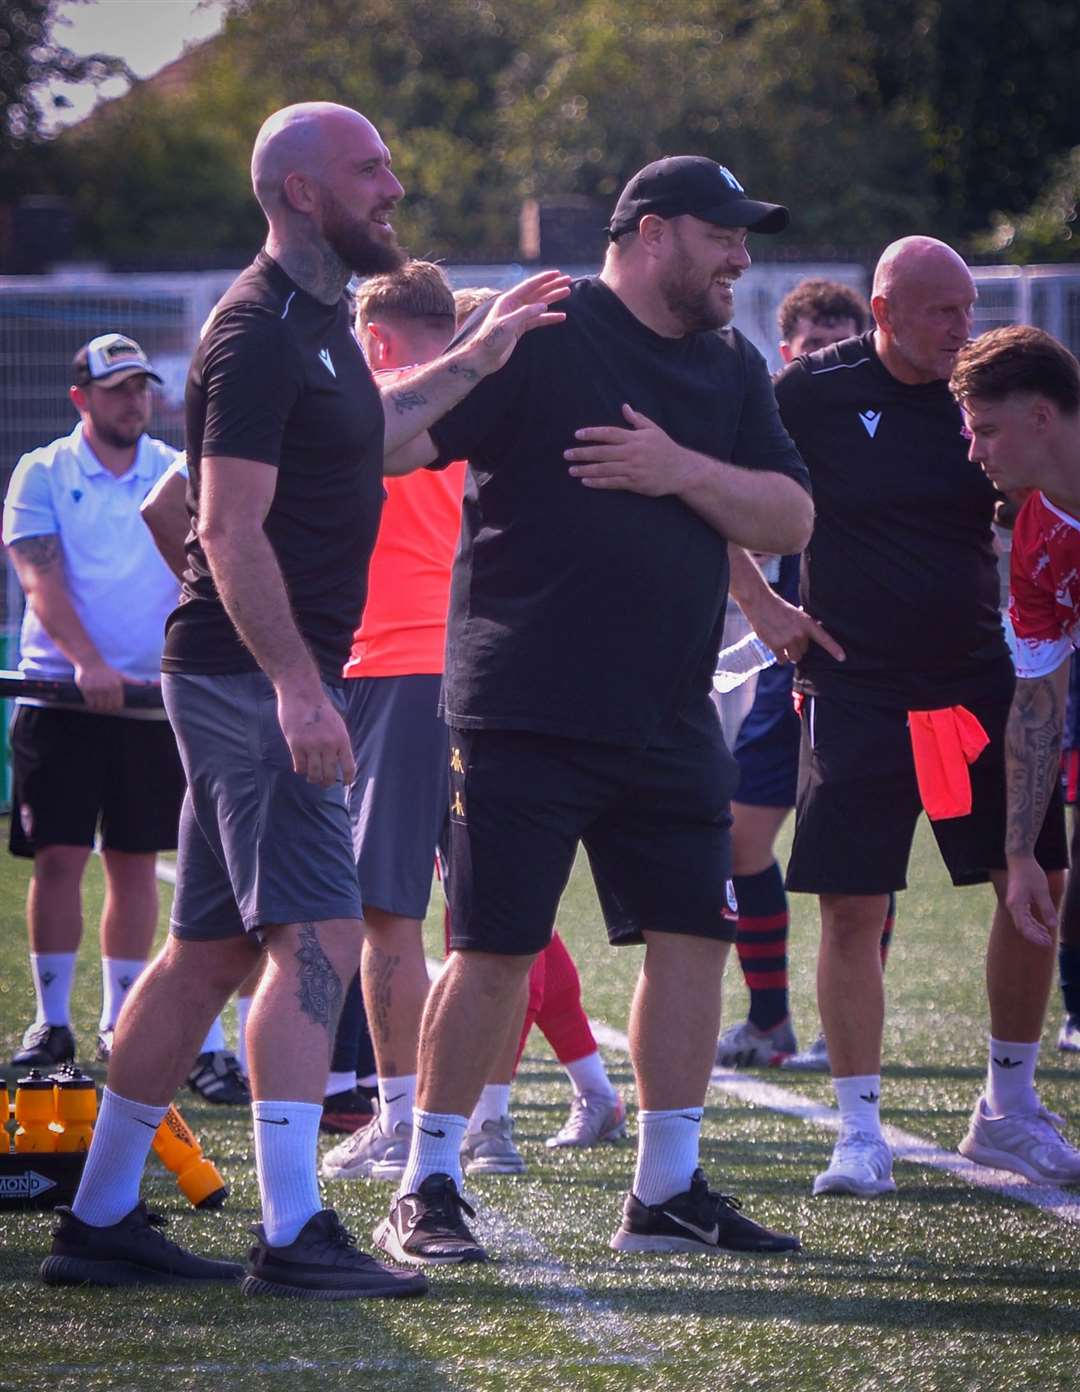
(146, 33)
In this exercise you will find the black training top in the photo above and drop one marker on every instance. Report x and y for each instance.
(589, 613)
(278, 377)
(901, 567)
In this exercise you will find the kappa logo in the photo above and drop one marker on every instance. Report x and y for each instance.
(327, 362)
(871, 420)
(76, 493)
(125, 983)
(870, 1096)
(18, 1188)
(1007, 1062)
(456, 766)
(47, 978)
(457, 807)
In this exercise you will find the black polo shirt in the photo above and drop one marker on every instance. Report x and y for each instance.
(589, 613)
(278, 377)
(901, 567)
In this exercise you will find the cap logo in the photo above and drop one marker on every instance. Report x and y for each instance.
(730, 179)
(119, 350)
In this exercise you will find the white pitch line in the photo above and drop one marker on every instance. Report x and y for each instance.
(916, 1150)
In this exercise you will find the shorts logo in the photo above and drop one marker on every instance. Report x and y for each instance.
(26, 820)
(457, 807)
(456, 766)
(732, 902)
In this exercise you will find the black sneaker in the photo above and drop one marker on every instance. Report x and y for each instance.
(45, 1045)
(323, 1264)
(129, 1253)
(216, 1077)
(698, 1221)
(345, 1112)
(426, 1228)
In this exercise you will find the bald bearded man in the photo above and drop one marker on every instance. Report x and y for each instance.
(901, 572)
(285, 435)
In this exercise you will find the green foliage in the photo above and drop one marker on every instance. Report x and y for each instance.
(1048, 230)
(870, 118)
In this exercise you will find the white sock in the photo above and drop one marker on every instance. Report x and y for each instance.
(53, 973)
(1010, 1078)
(436, 1149)
(214, 1042)
(369, 1080)
(339, 1082)
(397, 1098)
(243, 1010)
(118, 975)
(588, 1074)
(859, 1101)
(286, 1136)
(123, 1134)
(494, 1103)
(667, 1155)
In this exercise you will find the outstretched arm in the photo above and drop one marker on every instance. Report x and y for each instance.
(1032, 760)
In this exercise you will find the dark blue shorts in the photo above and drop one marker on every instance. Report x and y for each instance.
(654, 824)
(397, 805)
(767, 747)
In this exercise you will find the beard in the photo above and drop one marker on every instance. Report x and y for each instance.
(349, 239)
(687, 299)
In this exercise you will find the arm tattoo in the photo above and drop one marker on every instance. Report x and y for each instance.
(1032, 754)
(407, 401)
(469, 373)
(320, 990)
(41, 552)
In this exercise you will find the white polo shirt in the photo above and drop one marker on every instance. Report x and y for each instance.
(120, 587)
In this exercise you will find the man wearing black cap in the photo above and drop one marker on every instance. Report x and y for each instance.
(610, 466)
(97, 596)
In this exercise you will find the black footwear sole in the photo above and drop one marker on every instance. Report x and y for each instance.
(78, 1271)
(395, 1290)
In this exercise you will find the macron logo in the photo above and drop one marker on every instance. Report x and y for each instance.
(324, 358)
(871, 420)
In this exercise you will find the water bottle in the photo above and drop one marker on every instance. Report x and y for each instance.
(740, 662)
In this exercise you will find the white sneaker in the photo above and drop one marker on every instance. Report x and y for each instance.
(861, 1164)
(812, 1060)
(1069, 1035)
(594, 1117)
(369, 1153)
(745, 1046)
(1028, 1143)
(491, 1150)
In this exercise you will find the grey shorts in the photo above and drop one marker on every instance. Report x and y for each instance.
(399, 802)
(258, 843)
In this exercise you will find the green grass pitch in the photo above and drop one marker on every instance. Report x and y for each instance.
(942, 1287)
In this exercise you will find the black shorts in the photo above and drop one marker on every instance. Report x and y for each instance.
(859, 802)
(654, 823)
(72, 770)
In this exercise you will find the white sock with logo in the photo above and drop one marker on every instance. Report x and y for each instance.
(340, 1082)
(589, 1075)
(493, 1105)
(859, 1101)
(667, 1157)
(397, 1098)
(53, 973)
(1010, 1078)
(435, 1149)
(286, 1141)
(118, 975)
(123, 1134)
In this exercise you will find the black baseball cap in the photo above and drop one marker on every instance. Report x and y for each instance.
(108, 360)
(692, 184)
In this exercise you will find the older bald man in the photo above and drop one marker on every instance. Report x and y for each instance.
(285, 435)
(902, 573)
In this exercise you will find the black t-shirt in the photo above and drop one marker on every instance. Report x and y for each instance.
(278, 377)
(588, 613)
(900, 568)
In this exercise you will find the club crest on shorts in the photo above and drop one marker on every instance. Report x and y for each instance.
(457, 806)
(456, 766)
(731, 908)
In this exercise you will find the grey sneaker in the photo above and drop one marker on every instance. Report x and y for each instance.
(1028, 1143)
(491, 1150)
(861, 1164)
(369, 1154)
(594, 1117)
(812, 1060)
(745, 1046)
(1068, 1040)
